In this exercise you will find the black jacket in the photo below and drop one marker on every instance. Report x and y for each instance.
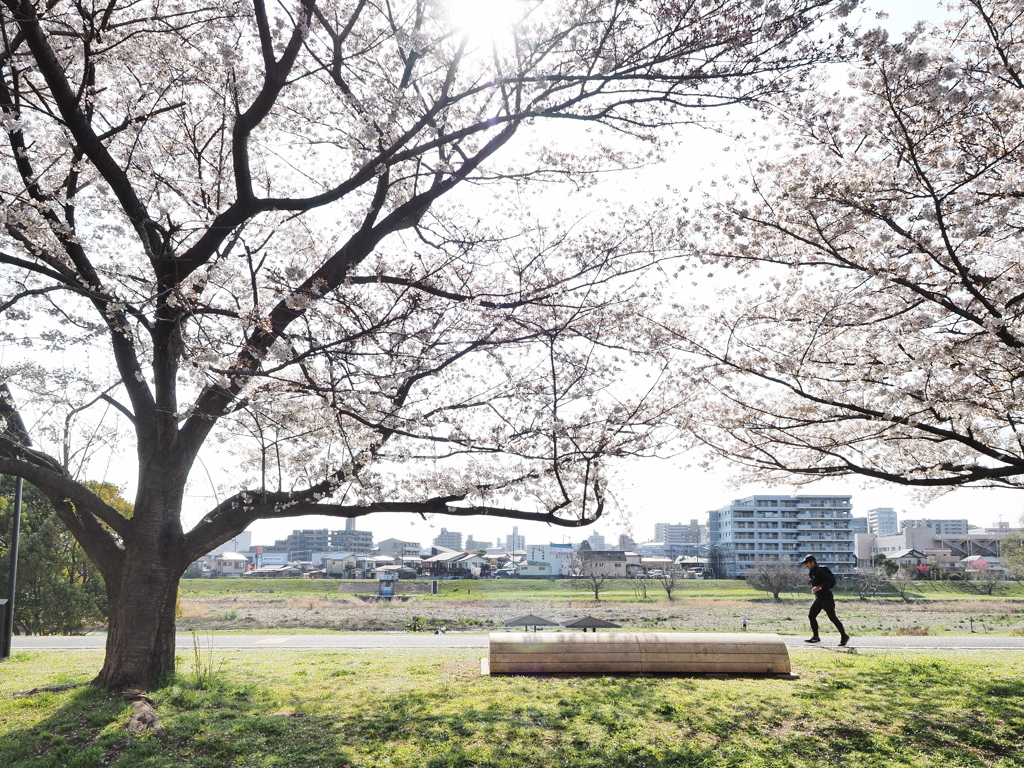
(821, 576)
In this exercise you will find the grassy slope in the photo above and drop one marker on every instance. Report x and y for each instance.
(565, 589)
(432, 710)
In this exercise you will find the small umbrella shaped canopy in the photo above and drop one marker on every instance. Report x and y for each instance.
(529, 620)
(589, 622)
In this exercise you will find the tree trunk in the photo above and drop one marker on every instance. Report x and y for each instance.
(140, 636)
(142, 592)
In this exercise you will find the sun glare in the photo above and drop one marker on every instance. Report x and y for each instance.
(485, 20)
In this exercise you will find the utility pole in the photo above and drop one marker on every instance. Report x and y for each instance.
(10, 414)
(7, 620)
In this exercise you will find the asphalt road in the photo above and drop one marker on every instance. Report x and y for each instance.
(400, 640)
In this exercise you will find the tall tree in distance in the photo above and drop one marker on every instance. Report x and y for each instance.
(875, 325)
(294, 230)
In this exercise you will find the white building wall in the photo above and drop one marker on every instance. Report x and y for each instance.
(558, 556)
(768, 528)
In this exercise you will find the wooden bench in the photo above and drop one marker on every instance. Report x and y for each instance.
(637, 653)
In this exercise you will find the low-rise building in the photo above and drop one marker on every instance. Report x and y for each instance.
(608, 562)
(229, 564)
(455, 565)
(399, 549)
(535, 570)
(342, 565)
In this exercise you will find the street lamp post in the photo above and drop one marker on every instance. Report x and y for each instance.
(10, 414)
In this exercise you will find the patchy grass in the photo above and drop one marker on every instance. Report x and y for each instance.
(939, 615)
(271, 588)
(433, 710)
(617, 590)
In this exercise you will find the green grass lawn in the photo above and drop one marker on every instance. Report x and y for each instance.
(434, 710)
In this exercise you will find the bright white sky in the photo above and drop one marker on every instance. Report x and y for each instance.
(666, 490)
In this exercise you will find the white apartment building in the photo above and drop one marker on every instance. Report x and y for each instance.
(882, 521)
(677, 533)
(515, 542)
(768, 528)
(449, 540)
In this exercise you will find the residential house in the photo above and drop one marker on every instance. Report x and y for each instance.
(342, 565)
(609, 562)
(907, 558)
(455, 565)
(229, 564)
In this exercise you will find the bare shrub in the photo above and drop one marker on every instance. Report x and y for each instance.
(913, 631)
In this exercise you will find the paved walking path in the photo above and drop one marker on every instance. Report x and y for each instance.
(400, 640)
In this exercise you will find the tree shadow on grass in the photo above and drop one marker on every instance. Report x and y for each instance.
(69, 737)
(221, 726)
(931, 706)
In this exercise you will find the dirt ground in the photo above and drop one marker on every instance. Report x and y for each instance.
(789, 616)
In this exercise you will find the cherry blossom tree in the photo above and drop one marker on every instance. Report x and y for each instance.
(874, 322)
(303, 241)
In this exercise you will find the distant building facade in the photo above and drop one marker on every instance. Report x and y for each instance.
(771, 528)
(680, 539)
(306, 539)
(515, 542)
(398, 549)
(351, 540)
(449, 540)
(882, 521)
(310, 540)
(940, 527)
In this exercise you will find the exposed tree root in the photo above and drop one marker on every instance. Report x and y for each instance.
(144, 718)
(48, 689)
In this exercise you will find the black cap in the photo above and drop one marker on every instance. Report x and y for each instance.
(809, 559)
